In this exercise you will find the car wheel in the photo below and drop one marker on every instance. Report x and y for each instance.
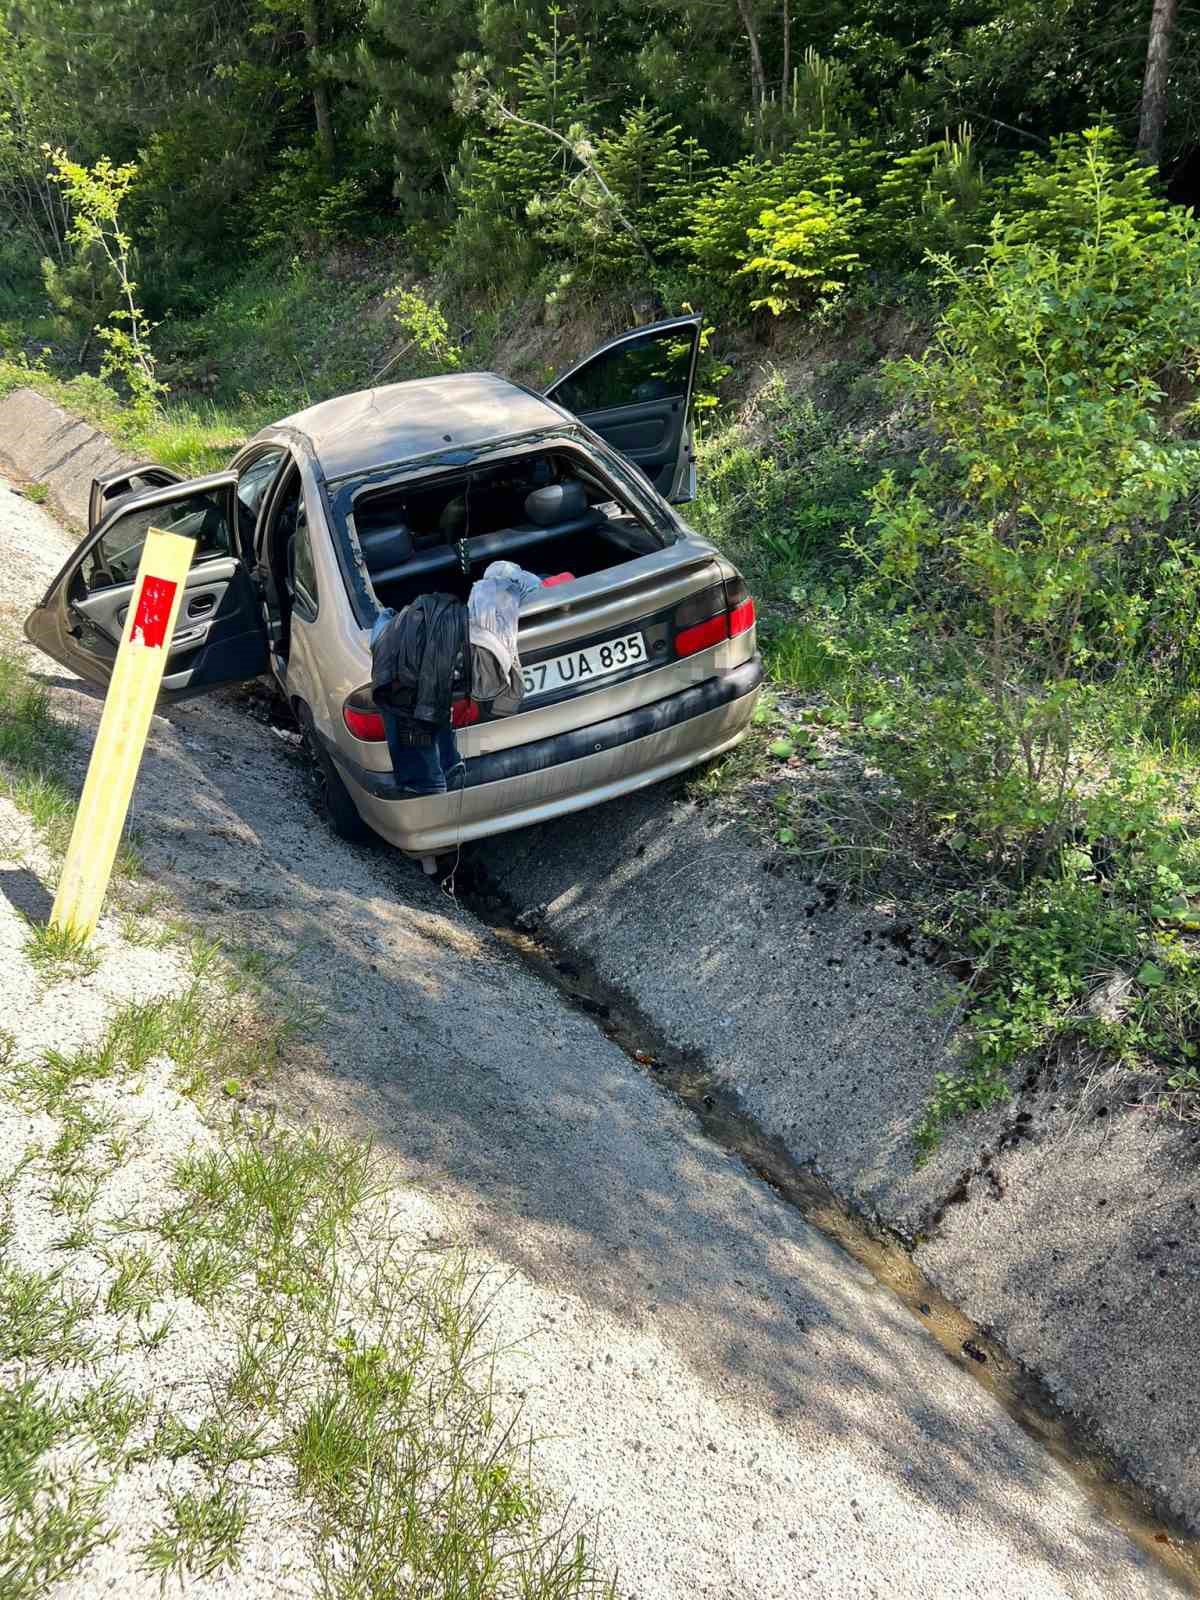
(335, 796)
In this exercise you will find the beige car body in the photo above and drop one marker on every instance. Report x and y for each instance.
(549, 758)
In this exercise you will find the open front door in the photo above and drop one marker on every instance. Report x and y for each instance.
(219, 637)
(636, 392)
(114, 488)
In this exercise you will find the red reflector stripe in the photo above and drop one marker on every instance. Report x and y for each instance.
(153, 611)
(364, 724)
(741, 618)
(702, 635)
(463, 713)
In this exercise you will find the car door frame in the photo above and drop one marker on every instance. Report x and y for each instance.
(104, 481)
(682, 484)
(47, 625)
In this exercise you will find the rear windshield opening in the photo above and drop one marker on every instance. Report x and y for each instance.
(543, 510)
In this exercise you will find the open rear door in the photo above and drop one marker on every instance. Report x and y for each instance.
(113, 488)
(636, 393)
(220, 636)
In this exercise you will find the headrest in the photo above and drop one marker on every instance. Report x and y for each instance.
(452, 523)
(386, 547)
(557, 502)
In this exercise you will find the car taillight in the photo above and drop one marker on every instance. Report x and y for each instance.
(362, 719)
(702, 635)
(713, 615)
(463, 713)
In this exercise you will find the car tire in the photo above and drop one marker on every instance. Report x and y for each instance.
(337, 804)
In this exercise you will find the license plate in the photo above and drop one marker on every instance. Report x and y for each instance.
(582, 666)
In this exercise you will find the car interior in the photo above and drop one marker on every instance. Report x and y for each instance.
(544, 511)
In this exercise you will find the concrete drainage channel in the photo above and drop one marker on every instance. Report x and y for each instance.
(683, 1074)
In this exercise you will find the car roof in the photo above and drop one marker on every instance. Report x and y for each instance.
(401, 421)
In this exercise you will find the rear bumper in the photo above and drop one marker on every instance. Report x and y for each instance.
(549, 777)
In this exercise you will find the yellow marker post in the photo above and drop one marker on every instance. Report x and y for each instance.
(121, 737)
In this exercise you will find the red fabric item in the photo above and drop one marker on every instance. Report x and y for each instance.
(559, 577)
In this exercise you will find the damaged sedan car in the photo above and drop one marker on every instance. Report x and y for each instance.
(637, 654)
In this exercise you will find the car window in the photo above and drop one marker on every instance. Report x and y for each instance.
(253, 482)
(304, 575)
(200, 515)
(655, 366)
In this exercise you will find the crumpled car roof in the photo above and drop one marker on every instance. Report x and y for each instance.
(401, 421)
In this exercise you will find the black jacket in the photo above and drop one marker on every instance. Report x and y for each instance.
(418, 659)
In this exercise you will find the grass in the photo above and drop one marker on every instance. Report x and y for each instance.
(43, 1324)
(36, 749)
(59, 952)
(134, 1286)
(203, 1271)
(202, 1534)
(781, 484)
(50, 1519)
(795, 657)
(371, 1375)
(203, 1032)
(193, 438)
(108, 1415)
(38, 493)
(272, 1208)
(80, 1125)
(217, 1442)
(317, 333)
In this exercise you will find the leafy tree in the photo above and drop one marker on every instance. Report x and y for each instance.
(96, 196)
(628, 206)
(30, 203)
(1058, 198)
(932, 198)
(546, 93)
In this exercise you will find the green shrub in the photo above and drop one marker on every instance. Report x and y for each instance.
(802, 252)
(780, 486)
(1118, 901)
(515, 164)
(427, 344)
(1035, 590)
(654, 175)
(933, 198)
(298, 208)
(280, 337)
(1038, 515)
(840, 174)
(717, 244)
(84, 291)
(1089, 179)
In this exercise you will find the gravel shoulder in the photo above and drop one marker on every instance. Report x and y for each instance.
(740, 1408)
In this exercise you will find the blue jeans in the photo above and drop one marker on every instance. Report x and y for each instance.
(424, 768)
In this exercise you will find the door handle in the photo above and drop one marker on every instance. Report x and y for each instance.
(183, 637)
(201, 605)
